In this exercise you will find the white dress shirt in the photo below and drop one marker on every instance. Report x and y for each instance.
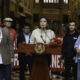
(27, 38)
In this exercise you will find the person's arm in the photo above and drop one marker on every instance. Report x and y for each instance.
(77, 45)
(32, 38)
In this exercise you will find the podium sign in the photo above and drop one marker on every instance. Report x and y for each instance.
(40, 69)
(30, 48)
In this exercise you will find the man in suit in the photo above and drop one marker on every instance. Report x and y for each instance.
(24, 58)
(6, 54)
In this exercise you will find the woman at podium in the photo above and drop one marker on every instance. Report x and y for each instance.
(42, 35)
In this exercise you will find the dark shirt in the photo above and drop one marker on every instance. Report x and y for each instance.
(68, 45)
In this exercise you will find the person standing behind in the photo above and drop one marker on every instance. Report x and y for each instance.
(7, 24)
(13, 35)
(77, 47)
(6, 54)
(68, 51)
(24, 58)
(17, 28)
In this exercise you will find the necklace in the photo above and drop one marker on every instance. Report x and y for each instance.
(43, 35)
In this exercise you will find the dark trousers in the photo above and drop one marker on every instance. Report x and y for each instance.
(5, 72)
(22, 63)
(78, 70)
(68, 63)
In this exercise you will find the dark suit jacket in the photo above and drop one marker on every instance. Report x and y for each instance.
(20, 39)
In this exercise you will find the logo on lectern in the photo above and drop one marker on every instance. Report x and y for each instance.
(39, 48)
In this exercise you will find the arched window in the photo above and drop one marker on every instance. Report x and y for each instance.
(65, 1)
(36, 1)
(45, 1)
(51, 1)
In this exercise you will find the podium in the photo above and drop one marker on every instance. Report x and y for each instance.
(40, 69)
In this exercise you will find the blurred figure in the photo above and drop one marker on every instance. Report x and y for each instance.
(6, 54)
(77, 47)
(68, 51)
(7, 24)
(43, 34)
(24, 58)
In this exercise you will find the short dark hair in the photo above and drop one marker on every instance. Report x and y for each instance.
(71, 21)
(27, 24)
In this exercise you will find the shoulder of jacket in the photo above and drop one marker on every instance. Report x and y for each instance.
(5, 30)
